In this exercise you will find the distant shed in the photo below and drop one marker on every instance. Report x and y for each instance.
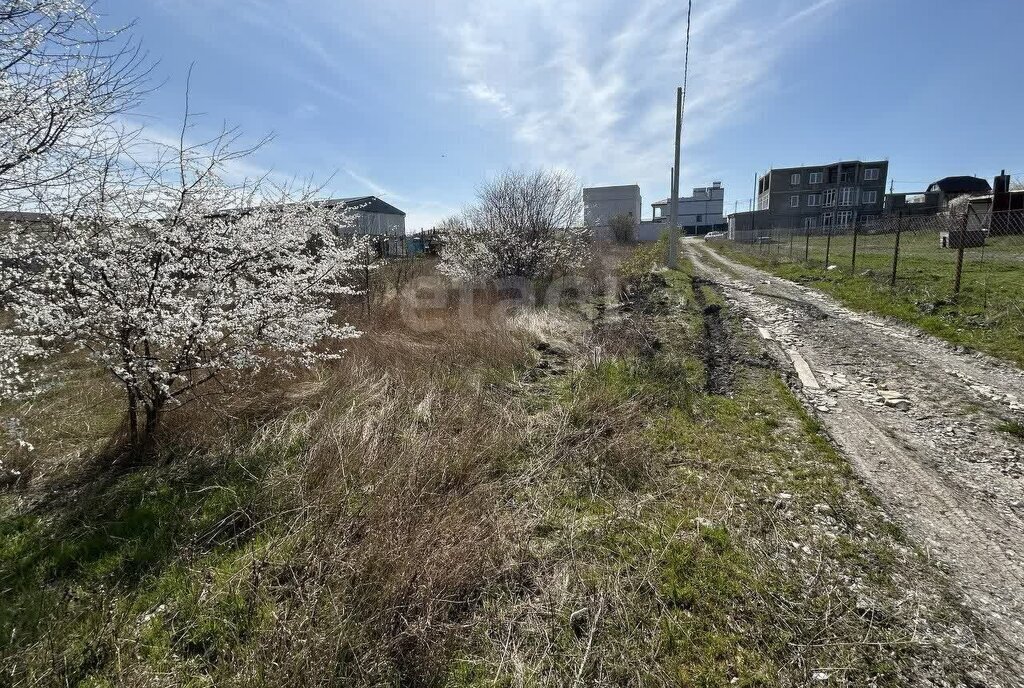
(374, 217)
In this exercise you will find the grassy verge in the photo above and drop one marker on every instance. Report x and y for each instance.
(987, 315)
(548, 500)
(723, 542)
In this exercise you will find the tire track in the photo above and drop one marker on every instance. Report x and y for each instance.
(916, 420)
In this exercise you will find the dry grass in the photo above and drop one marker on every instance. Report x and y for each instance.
(532, 499)
(358, 510)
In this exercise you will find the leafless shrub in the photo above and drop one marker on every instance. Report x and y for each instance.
(623, 228)
(524, 225)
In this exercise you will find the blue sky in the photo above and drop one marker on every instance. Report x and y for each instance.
(418, 101)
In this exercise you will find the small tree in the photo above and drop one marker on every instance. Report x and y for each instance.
(623, 228)
(522, 225)
(175, 277)
(367, 259)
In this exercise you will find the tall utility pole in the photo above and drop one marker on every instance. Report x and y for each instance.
(673, 208)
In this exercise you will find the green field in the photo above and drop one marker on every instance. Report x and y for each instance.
(987, 314)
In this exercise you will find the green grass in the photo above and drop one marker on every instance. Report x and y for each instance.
(987, 315)
(1014, 428)
(95, 571)
(691, 572)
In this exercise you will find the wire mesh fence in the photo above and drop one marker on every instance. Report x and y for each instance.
(970, 256)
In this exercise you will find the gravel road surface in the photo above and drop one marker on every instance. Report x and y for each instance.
(919, 420)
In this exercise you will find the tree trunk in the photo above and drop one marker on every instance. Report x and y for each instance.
(133, 419)
(140, 440)
(152, 421)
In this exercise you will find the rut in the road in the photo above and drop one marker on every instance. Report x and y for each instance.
(716, 343)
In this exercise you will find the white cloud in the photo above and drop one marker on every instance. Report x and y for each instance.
(590, 85)
(487, 94)
(425, 215)
(373, 187)
(584, 85)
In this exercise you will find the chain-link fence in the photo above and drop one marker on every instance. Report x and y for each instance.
(971, 255)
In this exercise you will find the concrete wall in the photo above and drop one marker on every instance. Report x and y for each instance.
(602, 203)
(747, 226)
(650, 231)
(926, 203)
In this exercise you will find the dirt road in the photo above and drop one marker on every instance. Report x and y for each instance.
(919, 420)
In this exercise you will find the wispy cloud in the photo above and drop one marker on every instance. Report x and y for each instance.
(487, 94)
(582, 85)
(591, 86)
(373, 187)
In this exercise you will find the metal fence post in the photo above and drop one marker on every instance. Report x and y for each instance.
(959, 269)
(807, 244)
(828, 246)
(960, 255)
(853, 261)
(896, 250)
(791, 233)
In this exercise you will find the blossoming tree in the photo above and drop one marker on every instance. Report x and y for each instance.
(523, 225)
(174, 277)
(63, 81)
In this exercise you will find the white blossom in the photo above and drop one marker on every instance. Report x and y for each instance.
(63, 80)
(180, 278)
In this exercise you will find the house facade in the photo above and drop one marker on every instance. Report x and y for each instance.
(936, 197)
(838, 194)
(698, 213)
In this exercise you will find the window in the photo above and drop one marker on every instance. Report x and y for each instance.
(844, 218)
(810, 222)
(813, 200)
(794, 179)
(871, 174)
(814, 178)
(830, 198)
(847, 195)
(700, 218)
(794, 201)
(870, 197)
(826, 220)
(847, 176)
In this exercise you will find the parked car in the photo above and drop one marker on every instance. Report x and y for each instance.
(714, 235)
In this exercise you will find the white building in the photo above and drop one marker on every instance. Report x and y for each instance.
(701, 212)
(602, 203)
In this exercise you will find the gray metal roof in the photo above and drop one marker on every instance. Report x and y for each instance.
(366, 204)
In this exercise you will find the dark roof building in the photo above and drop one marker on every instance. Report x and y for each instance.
(957, 186)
